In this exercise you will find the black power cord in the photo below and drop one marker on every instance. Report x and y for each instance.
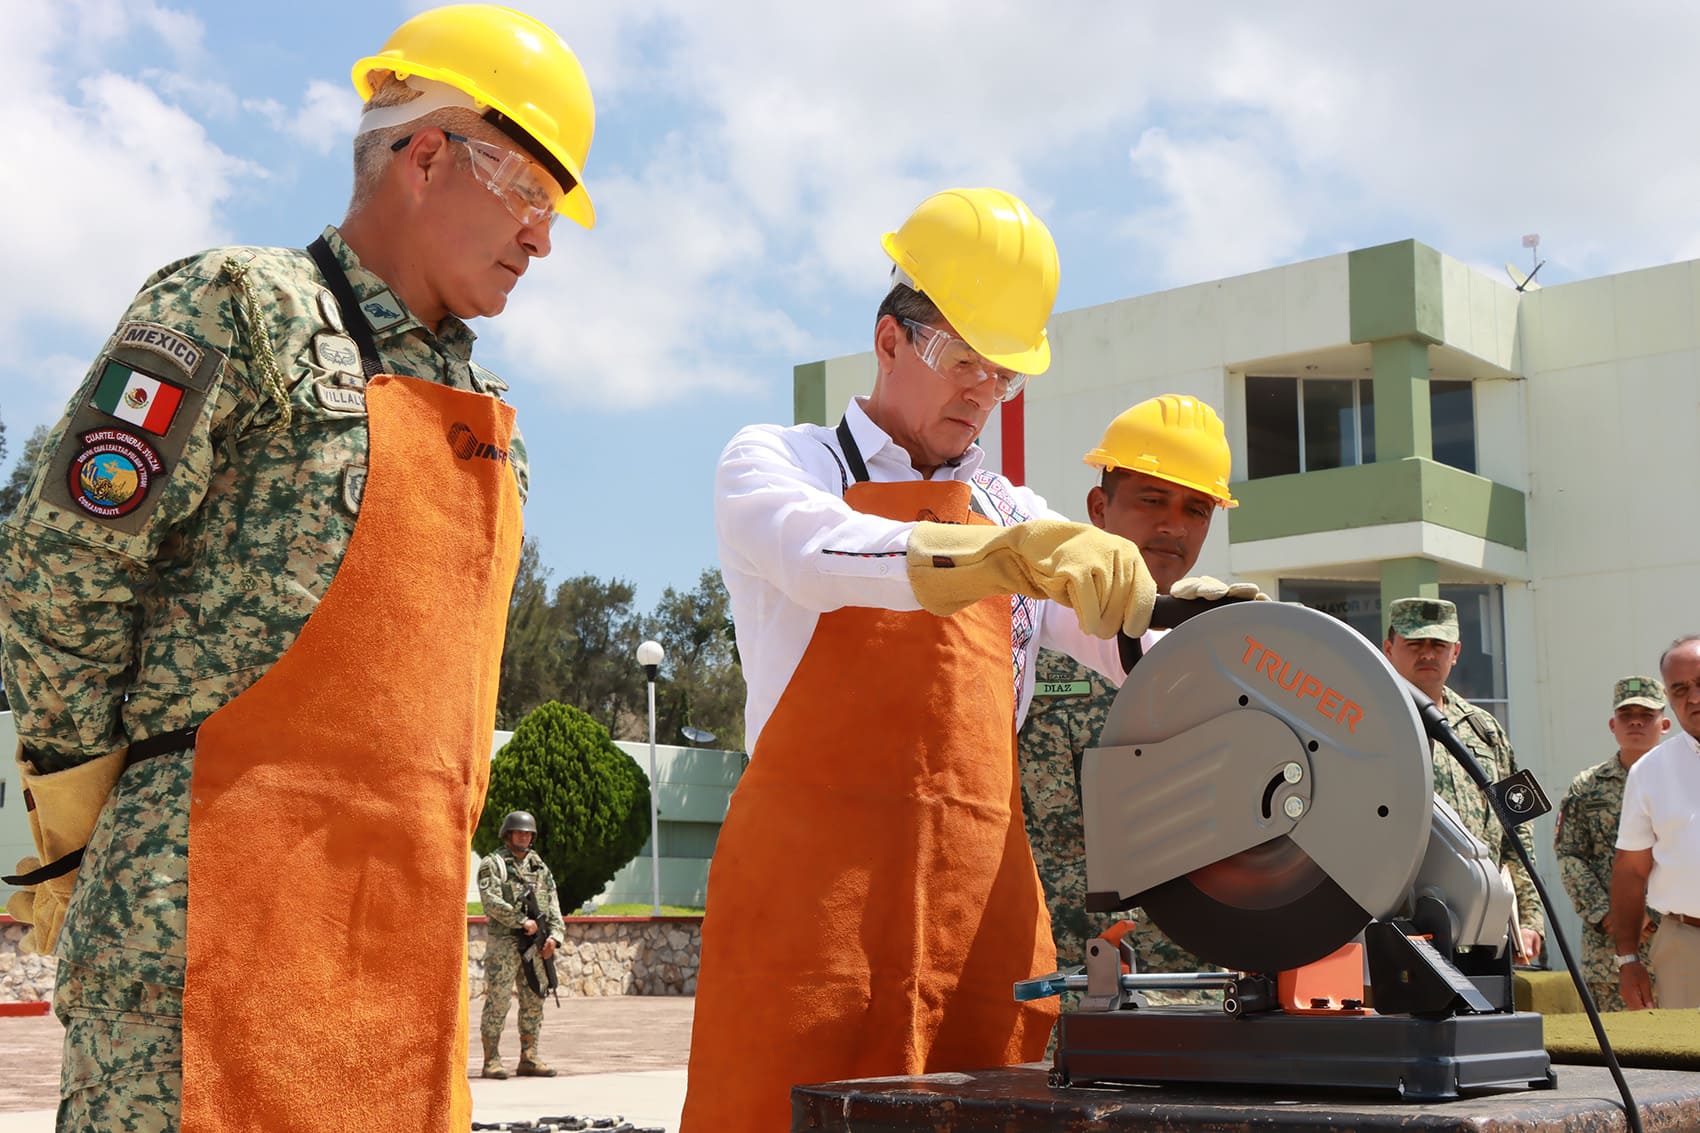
(1441, 732)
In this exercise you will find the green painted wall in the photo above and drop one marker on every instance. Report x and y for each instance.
(1396, 293)
(1403, 425)
(1407, 578)
(1372, 495)
(808, 394)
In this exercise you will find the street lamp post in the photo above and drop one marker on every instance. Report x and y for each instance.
(650, 655)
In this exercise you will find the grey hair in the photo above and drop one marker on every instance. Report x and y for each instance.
(372, 150)
(1673, 647)
(904, 302)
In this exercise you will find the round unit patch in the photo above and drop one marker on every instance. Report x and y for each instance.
(113, 472)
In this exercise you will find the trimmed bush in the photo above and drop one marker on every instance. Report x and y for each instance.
(591, 799)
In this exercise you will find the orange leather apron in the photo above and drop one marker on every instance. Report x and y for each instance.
(334, 800)
(872, 897)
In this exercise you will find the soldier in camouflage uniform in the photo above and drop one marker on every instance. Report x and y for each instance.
(504, 878)
(1422, 643)
(1586, 837)
(189, 515)
(1164, 465)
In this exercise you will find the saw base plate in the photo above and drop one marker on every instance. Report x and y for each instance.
(1419, 1059)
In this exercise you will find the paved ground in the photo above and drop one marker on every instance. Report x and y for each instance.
(620, 1055)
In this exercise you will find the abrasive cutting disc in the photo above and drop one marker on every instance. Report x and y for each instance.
(1353, 855)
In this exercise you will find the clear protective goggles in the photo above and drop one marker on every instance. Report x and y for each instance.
(517, 181)
(954, 360)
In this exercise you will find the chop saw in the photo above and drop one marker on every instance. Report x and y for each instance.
(1263, 791)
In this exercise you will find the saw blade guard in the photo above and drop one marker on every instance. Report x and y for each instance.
(1262, 788)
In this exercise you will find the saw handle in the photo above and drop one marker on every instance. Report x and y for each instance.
(1168, 612)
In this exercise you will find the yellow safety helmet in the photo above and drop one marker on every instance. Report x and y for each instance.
(507, 62)
(990, 267)
(1175, 438)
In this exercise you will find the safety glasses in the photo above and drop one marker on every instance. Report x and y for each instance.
(514, 178)
(954, 360)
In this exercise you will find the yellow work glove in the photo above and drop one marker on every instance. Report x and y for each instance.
(62, 807)
(1207, 589)
(1097, 575)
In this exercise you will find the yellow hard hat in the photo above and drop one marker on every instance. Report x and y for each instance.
(1175, 438)
(990, 267)
(507, 62)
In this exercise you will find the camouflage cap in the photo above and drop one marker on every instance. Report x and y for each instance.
(1413, 618)
(1646, 692)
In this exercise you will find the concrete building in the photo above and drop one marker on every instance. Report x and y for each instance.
(1404, 424)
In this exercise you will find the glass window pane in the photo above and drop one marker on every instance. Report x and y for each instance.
(1271, 427)
(1366, 416)
(1452, 408)
(1330, 424)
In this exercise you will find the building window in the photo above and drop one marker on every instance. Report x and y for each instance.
(1479, 676)
(1308, 424)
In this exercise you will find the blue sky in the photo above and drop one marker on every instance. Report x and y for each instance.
(749, 154)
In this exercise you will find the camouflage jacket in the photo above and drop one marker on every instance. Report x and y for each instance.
(502, 881)
(1482, 734)
(1586, 837)
(1070, 705)
(171, 545)
(166, 554)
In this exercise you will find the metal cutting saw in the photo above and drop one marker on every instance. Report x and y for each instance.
(1263, 791)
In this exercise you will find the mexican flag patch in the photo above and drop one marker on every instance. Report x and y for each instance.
(141, 399)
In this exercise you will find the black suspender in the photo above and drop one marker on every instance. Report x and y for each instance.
(353, 320)
(852, 453)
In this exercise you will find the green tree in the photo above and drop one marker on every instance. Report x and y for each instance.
(19, 480)
(529, 658)
(597, 638)
(702, 682)
(591, 799)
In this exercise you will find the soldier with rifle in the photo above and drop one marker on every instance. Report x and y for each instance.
(525, 930)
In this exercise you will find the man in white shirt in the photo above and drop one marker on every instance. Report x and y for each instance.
(1658, 850)
(872, 897)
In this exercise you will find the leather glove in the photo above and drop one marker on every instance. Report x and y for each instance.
(62, 807)
(1207, 589)
(1099, 576)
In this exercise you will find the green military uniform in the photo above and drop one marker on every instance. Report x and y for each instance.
(1586, 844)
(170, 547)
(503, 879)
(1436, 619)
(1481, 733)
(1070, 704)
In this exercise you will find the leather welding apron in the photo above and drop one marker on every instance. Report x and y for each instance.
(334, 800)
(872, 898)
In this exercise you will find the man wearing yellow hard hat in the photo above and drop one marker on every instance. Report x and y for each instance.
(872, 899)
(207, 648)
(1164, 467)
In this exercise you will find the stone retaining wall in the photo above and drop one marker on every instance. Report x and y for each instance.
(612, 955)
(23, 979)
(603, 956)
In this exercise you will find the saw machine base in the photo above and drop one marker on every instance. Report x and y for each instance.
(1419, 1059)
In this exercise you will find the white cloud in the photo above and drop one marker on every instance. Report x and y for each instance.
(324, 119)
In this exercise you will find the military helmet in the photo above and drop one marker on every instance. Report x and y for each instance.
(518, 820)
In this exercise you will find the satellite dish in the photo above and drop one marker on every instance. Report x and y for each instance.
(1524, 282)
(697, 735)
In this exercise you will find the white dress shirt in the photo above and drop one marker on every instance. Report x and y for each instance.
(1661, 812)
(791, 550)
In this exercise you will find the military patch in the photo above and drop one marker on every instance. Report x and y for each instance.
(1062, 688)
(353, 487)
(382, 311)
(336, 352)
(136, 397)
(112, 473)
(185, 356)
(329, 310)
(338, 399)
